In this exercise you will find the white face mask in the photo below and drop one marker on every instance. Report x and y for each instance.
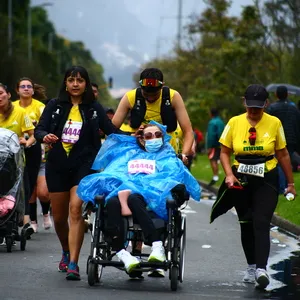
(153, 145)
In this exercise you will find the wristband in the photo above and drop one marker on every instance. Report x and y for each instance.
(291, 184)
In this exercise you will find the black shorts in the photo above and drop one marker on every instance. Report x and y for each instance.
(63, 180)
(215, 154)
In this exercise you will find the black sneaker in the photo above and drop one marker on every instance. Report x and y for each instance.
(28, 230)
(212, 182)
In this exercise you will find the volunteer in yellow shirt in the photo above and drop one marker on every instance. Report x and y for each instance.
(26, 89)
(15, 119)
(151, 84)
(257, 142)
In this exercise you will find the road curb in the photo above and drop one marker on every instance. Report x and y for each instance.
(282, 224)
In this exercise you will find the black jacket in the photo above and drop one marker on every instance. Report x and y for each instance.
(85, 150)
(289, 116)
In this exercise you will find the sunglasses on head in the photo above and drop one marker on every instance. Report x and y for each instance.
(252, 137)
(24, 86)
(152, 135)
(150, 82)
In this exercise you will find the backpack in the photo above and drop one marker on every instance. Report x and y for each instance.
(168, 116)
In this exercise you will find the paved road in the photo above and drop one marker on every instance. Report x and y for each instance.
(214, 267)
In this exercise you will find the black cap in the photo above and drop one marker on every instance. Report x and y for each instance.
(256, 96)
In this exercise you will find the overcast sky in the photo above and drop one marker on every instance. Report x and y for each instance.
(122, 34)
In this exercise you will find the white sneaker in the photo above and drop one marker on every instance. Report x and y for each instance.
(47, 222)
(158, 252)
(130, 262)
(250, 274)
(262, 278)
(34, 226)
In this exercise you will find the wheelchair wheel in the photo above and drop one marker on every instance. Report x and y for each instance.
(174, 277)
(92, 273)
(182, 250)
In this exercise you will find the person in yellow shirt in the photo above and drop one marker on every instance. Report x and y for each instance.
(26, 89)
(257, 141)
(148, 103)
(15, 119)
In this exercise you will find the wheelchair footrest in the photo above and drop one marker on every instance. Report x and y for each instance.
(156, 265)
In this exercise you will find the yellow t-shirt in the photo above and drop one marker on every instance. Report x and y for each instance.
(34, 110)
(126, 127)
(18, 121)
(269, 137)
(153, 113)
(72, 129)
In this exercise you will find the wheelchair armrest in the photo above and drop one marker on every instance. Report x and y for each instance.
(180, 194)
(171, 203)
(99, 199)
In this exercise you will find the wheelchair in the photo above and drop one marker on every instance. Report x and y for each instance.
(173, 233)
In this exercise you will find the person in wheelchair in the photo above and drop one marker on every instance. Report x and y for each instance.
(138, 175)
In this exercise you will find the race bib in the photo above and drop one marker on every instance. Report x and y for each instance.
(255, 170)
(145, 166)
(71, 132)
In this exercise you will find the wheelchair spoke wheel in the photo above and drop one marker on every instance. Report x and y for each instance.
(182, 250)
(174, 277)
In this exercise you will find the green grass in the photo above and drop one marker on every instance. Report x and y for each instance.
(289, 210)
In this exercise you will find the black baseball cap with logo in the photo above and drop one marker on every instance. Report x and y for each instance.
(256, 96)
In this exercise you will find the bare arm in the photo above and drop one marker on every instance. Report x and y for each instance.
(184, 122)
(284, 160)
(230, 179)
(121, 112)
(31, 140)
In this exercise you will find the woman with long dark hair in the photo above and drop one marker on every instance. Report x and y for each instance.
(70, 125)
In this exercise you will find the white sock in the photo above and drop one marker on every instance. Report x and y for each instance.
(252, 266)
(215, 178)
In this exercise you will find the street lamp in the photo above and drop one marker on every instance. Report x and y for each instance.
(29, 27)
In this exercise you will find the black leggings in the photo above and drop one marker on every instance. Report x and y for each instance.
(31, 171)
(255, 207)
(115, 223)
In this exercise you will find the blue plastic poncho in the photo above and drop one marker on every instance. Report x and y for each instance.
(115, 158)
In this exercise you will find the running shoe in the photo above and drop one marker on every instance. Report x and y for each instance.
(73, 272)
(158, 252)
(64, 262)
(34, 225)
(262, 278)
(28, 230)
(130, 262)
(250, 274)
(47, 224)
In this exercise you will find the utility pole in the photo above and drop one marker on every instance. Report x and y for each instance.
(179, 18)
(29, 33)
(10, 28)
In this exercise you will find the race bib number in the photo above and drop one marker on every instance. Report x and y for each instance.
(71, 132)
(255, 170)
(145, 166)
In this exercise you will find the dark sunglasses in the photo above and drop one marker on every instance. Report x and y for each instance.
(150, 135)
(28, 86)
(252, 137)
(150, 82)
